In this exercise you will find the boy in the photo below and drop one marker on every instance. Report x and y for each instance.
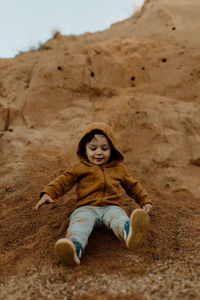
(99, 176)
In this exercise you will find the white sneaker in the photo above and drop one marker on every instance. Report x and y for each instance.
(68, 252)
(139, 224)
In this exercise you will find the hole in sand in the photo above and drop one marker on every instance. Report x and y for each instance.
(164, 60)
(59, 68)
(173, 28)
(133, 78)
(92, 74)
(143, 68)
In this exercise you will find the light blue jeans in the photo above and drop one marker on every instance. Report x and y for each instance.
(84, 218)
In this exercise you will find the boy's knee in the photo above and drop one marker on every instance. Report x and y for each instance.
(82, 214)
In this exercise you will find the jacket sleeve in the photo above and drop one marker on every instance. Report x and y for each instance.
(134, 189)
(61, 185)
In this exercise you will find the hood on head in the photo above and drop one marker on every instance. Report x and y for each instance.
(116, 156)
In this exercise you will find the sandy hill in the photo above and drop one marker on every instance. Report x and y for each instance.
(142, 76)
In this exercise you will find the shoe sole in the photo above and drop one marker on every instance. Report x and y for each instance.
(66, 252)
(139, 224)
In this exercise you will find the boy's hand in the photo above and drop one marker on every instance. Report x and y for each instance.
(148, 208)
(45, 199)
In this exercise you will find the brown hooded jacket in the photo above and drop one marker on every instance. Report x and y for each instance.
(98, 185)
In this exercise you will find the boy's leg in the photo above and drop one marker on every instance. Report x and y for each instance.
(82, 221)
(132, 230)
(115, 218)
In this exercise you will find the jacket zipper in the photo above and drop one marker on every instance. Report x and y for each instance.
(104, 190)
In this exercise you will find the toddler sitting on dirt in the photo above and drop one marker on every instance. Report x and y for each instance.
(99, 177)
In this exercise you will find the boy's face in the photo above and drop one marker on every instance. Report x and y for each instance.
(98, 150)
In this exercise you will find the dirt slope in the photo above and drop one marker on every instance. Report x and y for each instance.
(142, 76)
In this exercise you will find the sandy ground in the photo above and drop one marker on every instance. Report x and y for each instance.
(142, 76)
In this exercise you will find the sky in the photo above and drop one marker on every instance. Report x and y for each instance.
(24, 24)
